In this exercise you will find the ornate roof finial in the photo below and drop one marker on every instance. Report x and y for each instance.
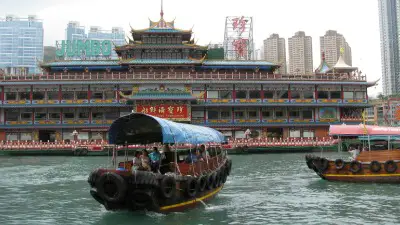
(341, 51)
(162, 11)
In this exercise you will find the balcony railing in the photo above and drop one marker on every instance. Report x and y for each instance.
(183, 76)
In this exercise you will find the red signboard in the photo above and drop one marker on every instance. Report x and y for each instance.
(174, 112)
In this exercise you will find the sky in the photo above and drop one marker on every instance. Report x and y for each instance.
(357, 20)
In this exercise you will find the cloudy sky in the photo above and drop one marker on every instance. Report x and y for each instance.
(357, 20)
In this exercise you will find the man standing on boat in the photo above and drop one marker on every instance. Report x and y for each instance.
(155, 158)
(354, 151)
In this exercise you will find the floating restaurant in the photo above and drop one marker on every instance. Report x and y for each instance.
(162, 72)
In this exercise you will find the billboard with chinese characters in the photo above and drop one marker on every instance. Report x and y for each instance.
(238, 38)
(166, 111)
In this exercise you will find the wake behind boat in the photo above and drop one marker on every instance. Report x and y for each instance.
(375, 163)
(174, 183)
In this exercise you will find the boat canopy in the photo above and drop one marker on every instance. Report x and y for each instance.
(379, 138)
(360, 130)
(139, 128)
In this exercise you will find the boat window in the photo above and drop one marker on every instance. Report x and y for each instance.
(308, 95)
(12, 116)
(83, 115)
(254, 94)
(97, 115)
(307, 114)
(348, 95)
(279, 113)
(68, 95)
(11, 96)
(294, 113)
(268, 94)
(282, 94)
(267, 114)
(308, 133)
(295, 94)
(68, 115)
(226, 114)
(40, 116)
(239, 115)
(54, 116)
(336, 95)
(81, 95)
(225, 94)
(26, 116)
(212, 115)
(97, 95)
(323, 94)
(241, 94)
(111, 115)
(24, 96)
(252, 114)
(26, 136)
(12, 136)
(212, 94)
(360, 95)
(109, 94)
(198, 114)
(52, 95)
(294, 133)
(38, 95)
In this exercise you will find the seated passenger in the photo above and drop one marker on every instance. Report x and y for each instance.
(137, 161)
(167, 160)
(203, 153)
(191, 157)
(355, 152)
(155, 158)
(145, 160)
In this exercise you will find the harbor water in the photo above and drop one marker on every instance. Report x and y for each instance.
(262, 189)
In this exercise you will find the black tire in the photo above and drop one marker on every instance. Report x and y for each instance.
(84, 152)
(201, 183)
(229, 166)
(93, 177)
(191, 187)
(375, 166)
(111, 187)
(168, 187)
(210, 181)
(355, 167)
(246, 148)
(141, 199)
(77, 152)
(224, 175)
(390, 166)
(143, 178)
(324, 165)
(339, 164)
(216, 179)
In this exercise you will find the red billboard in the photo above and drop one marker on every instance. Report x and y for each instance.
(166, 111)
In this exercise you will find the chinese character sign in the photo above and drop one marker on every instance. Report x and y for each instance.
(240, 24)
(165, 111)
(240, 46)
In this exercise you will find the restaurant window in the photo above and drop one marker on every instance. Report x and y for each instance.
(323, 94)
(97, 115)
(266, 114)
(307, 114)
(24, 96)
(294, 114)
(52, 95)
(212, 94)
(111, 115)
(26, 136)
(83, 115)
(83, 135)
(26, 116)
(40, 116)
(81, 95)
(109, 95)
(279, 113)
(308, 133)
(12, 116)
(198, 114)
(68, 95)
(68, 115)
(226, 115)
(294, 133)
(54, 116)
(97, 95)
(308, 95)
(336, 95)
(295, 94)
(360, 95)
(282, 94)
(225, 94)
(348, 95)
(268, 94)
(127, 93)
(252, 114)
(254, 94)
(212, 115)
(239, 115)
(241, 94)
(38, 95)
(11, 96)
(12, 136)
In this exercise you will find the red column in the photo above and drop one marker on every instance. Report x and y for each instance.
(234, 93)
(289, 93)
(262, 93)
(205, 115)
(205, 93)
(261, 117)
(341, 92)
(89, 94)
(90, 115)
(31, 94)
(59, 94)
(316, 93)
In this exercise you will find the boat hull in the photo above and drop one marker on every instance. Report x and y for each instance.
(372, 171)
(142, 190)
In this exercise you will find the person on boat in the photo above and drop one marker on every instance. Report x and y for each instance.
(167, 162)
(191, 157)
(137, 161)
(203, 153)
(145, 160)
(355, 152)
(155, 158)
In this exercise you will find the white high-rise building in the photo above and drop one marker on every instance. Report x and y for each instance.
(275, 51)
(331, 44)
(390, 60)
(300, 54)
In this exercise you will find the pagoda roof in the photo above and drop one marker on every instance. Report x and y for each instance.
(341, 66)
(159, 46)
(161, 26)
(323, 67)
(82, 63)
(161, 61)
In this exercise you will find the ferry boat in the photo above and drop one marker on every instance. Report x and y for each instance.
(375, 163)
(175, 184)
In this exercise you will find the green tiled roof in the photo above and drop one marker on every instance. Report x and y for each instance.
(162, 46)
(237, 63)
(153, 30)
(83, 63)
(162, 61)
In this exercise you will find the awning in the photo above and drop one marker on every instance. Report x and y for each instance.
(138, 128)
(379, 138)
(359, 130)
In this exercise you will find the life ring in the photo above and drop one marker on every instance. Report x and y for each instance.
(324, 164)
(210, 181)
(84, 152)
(339, 164)
(141, 199)
(93, 177)
(201, 183)
(167, 186)
(375, 166)
(191, 187)
(390, 166)
(111, 187)
(355, 166)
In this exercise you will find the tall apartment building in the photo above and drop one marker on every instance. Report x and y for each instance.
(116, 35)
(21, 45)
(331, 44)
(389, 23)
(275, 51)
(300, 54)
(75, 31)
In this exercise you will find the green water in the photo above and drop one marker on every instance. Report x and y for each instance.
(263, 189)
